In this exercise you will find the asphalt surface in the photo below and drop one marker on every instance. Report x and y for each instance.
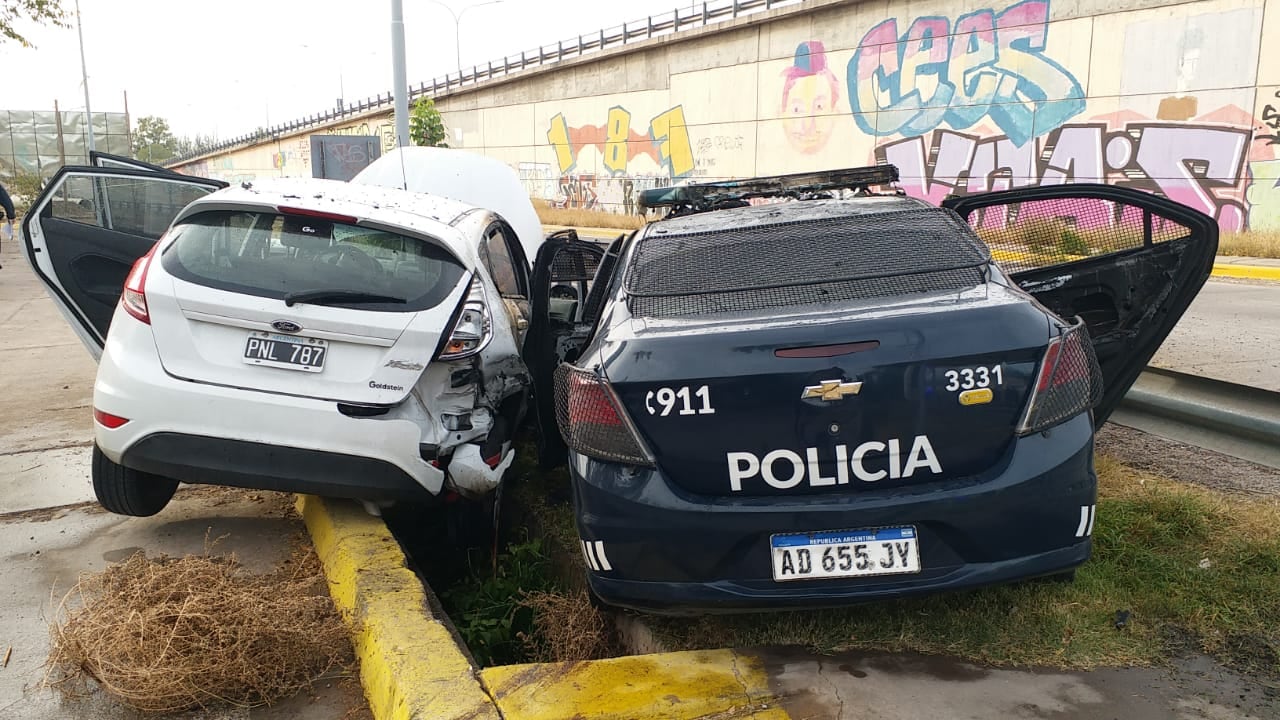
(1231, 332)
(51, 531)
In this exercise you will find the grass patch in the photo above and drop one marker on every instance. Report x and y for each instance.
(578, 217)
(1151, 539)
(1254, 243)
(531, 604)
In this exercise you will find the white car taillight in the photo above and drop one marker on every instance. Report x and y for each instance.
(473, 329)
(592, 420)
(134, 297)
(1069, 382)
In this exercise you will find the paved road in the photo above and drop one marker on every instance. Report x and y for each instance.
(1231, 332)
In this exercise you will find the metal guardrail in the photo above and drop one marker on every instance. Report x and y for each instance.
(1233, 419)
(679, 19)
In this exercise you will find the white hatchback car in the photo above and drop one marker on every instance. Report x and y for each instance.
(316, 336)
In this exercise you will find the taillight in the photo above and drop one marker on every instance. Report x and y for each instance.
(107, 420)
(134, 297)
(473, 329)
(592, 421)
(1069, 382)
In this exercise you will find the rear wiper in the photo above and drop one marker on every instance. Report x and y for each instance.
(325, 297)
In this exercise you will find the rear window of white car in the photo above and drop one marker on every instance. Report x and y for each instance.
(278, 256)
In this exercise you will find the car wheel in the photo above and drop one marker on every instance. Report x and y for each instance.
(125, 491)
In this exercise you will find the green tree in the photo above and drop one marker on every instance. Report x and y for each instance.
(153, 141)
(14, 12)
(426, 127)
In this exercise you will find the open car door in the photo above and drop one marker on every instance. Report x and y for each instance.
(1126, 262)
(87, 229)
(118, 162)
(569, 279)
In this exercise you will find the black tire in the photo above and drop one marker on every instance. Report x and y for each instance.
(128, 492)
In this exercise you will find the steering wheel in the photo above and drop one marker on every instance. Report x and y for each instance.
(349, 256)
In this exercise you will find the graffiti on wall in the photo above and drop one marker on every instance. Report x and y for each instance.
(810, 92)
(1199, 165)
(385, 129)
(667, 142)
(988, 65)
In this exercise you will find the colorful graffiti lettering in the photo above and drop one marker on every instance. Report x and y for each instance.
(667, 142)
(810, 92)
(989, 65)
(1197, 165)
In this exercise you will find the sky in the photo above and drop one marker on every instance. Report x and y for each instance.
(227, 67)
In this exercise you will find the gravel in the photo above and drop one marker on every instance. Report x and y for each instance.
(1187, 463)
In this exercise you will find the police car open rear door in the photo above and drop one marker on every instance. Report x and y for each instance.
(1128, 263)
(569, 278)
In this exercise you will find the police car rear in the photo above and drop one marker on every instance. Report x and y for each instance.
(810, 403)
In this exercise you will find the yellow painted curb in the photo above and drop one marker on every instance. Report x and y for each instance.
(410, 665)
(1248, 272)
(719, 684)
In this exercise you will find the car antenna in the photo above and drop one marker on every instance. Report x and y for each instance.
(404, 178)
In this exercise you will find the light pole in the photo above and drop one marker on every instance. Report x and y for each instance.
(399, 74)
(457, 27)
(84, 76)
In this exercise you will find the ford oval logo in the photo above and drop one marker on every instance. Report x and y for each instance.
(286, 326)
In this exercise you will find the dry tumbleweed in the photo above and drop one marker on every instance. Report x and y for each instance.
(171, 634)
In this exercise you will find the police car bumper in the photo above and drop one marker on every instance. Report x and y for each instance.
(652, 547)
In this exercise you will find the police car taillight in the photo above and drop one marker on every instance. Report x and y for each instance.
(592, 420)
(1069, 382)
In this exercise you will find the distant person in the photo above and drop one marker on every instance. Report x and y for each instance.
(6, 203)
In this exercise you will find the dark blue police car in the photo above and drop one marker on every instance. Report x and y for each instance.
(851, 394)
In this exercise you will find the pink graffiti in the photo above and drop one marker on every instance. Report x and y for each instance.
(1196, 165)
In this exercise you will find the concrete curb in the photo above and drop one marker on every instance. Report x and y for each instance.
(1248, 272)
(410, 665)
(694, 685)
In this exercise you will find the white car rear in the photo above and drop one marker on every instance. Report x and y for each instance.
(301, 335)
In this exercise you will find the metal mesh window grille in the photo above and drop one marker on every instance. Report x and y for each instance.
(809, 261)
(1069, 384)
(1052, 231)
(591, 419)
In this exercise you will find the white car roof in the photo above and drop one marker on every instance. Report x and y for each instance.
(417, 212)
(468, 177)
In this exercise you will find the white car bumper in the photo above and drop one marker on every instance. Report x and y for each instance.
(195, 432)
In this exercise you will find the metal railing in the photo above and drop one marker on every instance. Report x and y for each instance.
(677, 20)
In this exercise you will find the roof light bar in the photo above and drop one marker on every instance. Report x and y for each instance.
(706, 196)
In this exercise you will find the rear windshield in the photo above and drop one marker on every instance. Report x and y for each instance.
(802, 254)
(274, 256)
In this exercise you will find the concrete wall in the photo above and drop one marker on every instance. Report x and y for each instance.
(1182, 99)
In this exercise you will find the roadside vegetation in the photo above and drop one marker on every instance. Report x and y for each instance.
(524, 601)
(1253, 243)
(580, 218)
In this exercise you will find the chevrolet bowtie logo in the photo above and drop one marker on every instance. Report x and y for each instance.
(831, 390)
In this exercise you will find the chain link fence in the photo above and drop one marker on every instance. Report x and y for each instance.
(34, 142)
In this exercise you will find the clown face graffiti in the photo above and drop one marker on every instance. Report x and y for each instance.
(809, 96)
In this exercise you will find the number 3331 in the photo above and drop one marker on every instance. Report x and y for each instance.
(970, 378)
